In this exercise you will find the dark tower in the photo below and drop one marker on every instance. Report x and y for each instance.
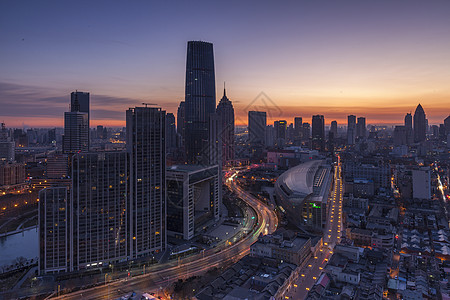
(420, 125)
(200, 99)
(318, 132)
(225, 111)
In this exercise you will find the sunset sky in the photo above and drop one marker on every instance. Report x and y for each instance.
(377, 59)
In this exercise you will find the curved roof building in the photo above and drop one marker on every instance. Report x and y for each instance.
(302, 192)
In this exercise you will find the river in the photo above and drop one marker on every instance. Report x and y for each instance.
(24, 244)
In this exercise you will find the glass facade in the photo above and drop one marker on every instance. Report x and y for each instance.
(200, 99)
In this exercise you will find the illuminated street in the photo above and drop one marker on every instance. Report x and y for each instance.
(332, 233)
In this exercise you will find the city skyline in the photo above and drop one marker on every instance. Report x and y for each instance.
(308, 58)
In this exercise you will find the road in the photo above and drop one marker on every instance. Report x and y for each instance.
(161, 275)
(332, 234)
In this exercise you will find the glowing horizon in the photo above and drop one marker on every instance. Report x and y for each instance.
(309, 58)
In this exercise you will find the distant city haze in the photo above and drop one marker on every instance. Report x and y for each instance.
(374, 59)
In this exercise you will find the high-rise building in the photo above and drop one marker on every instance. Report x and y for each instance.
(306, 131)
(409, 129)
(298, 130)
(226, 112)
(447, 125)
(318, 132)
(99, 221)
(83, 101)
(54, 231)
(171, 133)
(193, 198)
(420, 125)
(333, 128)
(7, 146)
(401, 135)
(351, 129)
(76, 130)
(408, 121)
(270, 136)
(257, 122)
(200, 99)
(57, 166)
(361, 128)
(280, 132)
(215, 145)
(181, 124)
(147, 206)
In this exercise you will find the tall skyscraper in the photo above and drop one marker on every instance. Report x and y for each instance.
(306, 131)
(7, 145)
(171, 133)
(280, 132)
(447, 125)
(226, 112)
(54, 231)
(257, 122)
(76, 129)
(200, 99)
(361, 127)
(298, 129)
(333, 128)
(98, 221)
(351, 129)
(215, 142)
(83, 101)
(420, 125)
(147, 207)
(408, 121)
(409, 129)
(318, 132)
(181, 124)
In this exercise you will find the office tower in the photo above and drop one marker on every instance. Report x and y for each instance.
(100, 132)
(420, 125)
(171, 133)
(408, 121)
(257, 122)
(54, 232)
(215, 142)
(7, 145)
(280, 128)
(52, 136)
(333, 128)
(99, 199)
(361, 128)
(298, 126)
(401, 135)
(76, 130)
(83, 101)
(447, 125)
(409, 129)
(193, 199)
(147, 207)
(298, 130)
(290, 132)
(306, 131)
(57, 166)
(181, 125)
(442, 132)
(435, 131)
(270, 136)
(226, 112)
(318, 133)
(200, 99)
(351, 129)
